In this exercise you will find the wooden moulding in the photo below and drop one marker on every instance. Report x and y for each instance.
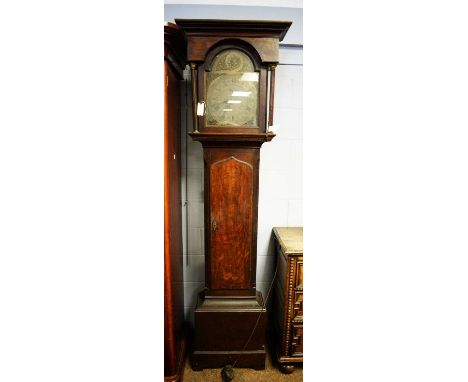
(263, 35)
(254, 28)
(229, 137)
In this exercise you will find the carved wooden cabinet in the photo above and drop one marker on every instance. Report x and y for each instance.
(174, 339)
(287, 308)
(233, 70)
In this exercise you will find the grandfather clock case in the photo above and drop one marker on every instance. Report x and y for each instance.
(233, 77)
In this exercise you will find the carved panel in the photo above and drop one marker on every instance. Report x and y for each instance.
(298, 282)
(297, 340)
(298, 304)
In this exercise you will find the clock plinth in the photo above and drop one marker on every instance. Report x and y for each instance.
(229, 331)
(233, 77)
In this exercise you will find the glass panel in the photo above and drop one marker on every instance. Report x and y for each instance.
(232, 91)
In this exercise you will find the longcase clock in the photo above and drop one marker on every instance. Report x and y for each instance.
(233, 76)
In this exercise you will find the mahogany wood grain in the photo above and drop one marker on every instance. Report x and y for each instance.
(174, 340)
(231, 193)
(231, 176)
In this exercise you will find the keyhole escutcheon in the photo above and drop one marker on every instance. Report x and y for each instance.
(213, 225)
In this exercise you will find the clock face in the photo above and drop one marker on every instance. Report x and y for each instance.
(232, 91)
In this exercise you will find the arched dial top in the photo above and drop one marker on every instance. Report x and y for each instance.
(232, 90)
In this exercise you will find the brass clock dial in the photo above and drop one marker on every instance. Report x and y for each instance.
(232, 91)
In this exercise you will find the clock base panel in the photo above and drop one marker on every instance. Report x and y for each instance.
(229, 330)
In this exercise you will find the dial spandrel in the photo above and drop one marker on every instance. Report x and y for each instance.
(232, 91)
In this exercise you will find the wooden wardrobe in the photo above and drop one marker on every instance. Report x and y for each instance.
(174, 339)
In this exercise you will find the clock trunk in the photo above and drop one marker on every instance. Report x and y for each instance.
(231, 181)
